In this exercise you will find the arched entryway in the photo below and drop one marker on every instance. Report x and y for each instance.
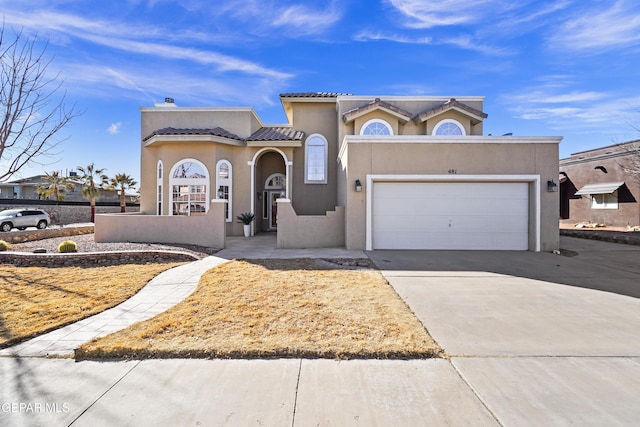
(270, 180)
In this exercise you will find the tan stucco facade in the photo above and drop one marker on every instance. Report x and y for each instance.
(318, 202)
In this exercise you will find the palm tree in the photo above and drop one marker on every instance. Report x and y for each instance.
(121, 182)
(55, 186)
(93, 180)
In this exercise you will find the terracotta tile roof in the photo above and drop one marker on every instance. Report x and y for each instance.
(217, 131)
(452, 103)
(312, 94)
(276, 134)
(373, 105)
(271, 133)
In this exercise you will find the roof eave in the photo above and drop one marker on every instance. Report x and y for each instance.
(294, 144)
(164, 139)
(475, 118)
(348, 117)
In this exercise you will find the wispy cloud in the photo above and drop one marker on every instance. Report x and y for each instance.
(114, 128)
(471, 43)
(127, 38)
(307, 20)
(268, 17)
(601, 27)
(571, 110)
(365, 36)
(542, 97)
(466, 42)
(120, 81)
(429, 13)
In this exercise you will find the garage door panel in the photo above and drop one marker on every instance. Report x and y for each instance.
(447, 215)
(451, 241)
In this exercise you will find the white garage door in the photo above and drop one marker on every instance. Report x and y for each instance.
(450, 215)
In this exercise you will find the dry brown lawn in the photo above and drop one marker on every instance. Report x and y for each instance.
(277, 308)
(35, 300)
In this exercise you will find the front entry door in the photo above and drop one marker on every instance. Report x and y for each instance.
(274, 189)
(273, 209)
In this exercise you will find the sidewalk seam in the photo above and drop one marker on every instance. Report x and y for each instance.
(475, 393)
(105, 392)
(295, 399)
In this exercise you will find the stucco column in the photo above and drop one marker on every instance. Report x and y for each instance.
(252, 164)
(288, 171)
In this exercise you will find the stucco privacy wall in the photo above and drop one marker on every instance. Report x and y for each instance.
(62, 215)
(205, 230)
(470, 155)
(309, 231)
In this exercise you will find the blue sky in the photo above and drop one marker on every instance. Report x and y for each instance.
(567, 68)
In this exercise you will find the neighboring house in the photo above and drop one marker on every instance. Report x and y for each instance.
(361, 172)
(25, 189)
(594, 186)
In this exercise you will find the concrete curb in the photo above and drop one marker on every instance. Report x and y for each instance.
(629, 237)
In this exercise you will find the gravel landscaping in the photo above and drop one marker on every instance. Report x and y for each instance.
(86, 243)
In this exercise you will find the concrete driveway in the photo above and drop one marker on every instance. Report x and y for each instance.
(534, 350)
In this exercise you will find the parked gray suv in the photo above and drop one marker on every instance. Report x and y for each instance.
(23, 218)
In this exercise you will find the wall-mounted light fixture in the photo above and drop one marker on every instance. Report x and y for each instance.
(358, 186)
(552, 187)
(221, 193)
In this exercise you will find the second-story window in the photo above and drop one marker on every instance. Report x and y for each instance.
(376, 127)
(449, 127)
(315, 161)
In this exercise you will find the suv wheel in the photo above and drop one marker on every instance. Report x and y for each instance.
(6, 226)
(42, 224)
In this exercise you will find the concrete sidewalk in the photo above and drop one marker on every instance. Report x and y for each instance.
(164, 291)
(282, 392)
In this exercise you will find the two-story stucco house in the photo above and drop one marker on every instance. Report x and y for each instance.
(361, 172)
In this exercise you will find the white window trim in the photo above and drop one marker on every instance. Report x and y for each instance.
(612, 203)
(326, 160)
(382, 122)
(159, 187)
(227, 182)
(189, 181)
(445, 121)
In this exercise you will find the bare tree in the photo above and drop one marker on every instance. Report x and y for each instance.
(32, 109)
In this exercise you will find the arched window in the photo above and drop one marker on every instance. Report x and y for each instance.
(224, 185)
(376, 127)
(315, 160)
(159, 188)
(189, 181)
(449, 127)
(277, 181)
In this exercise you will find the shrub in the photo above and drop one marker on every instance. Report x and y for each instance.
(67, 246)
(246, 218)
(4, 246)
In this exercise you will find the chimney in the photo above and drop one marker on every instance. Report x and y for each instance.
(168, 102)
